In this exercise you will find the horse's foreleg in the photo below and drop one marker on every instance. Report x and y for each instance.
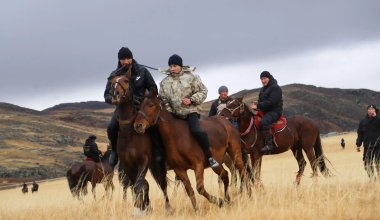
(124, 180)
(237, 153)
(256, 160)
(108, 185)
(229, 163)
(182, 175)
(297, 152)
(159, 172)
(199, 171)
(141, 189)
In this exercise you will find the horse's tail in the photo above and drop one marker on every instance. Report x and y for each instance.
(320, 158)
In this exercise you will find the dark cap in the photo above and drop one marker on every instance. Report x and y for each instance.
(265, 74)
(222, 88)
(175, 59)
(125, 53)
(371, 106)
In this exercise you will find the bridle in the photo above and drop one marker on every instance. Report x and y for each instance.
(145, 116)
(116, 84)
(241, 107)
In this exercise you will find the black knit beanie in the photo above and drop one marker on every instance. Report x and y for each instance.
(222, 89)
(371, 106)
(124, 53)
(265, 74)
(175, 59)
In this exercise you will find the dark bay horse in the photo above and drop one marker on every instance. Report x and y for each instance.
(183, 152)
(301, 133)
(35, 187)
(24, 188)
(135, 150)
(89, 171)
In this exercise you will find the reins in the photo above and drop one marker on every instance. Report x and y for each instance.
(251, 123)
(144, 115)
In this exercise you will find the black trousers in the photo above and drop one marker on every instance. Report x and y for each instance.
(198, 133)
(268, 119)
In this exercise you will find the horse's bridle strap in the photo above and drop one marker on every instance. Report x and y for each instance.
(145, 116)
(125, 122)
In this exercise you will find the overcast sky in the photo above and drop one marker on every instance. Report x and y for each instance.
(62, 51)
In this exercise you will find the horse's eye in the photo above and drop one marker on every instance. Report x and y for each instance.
(126, 81)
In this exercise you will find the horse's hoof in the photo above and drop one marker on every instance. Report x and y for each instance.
(137, 212)
(227, 199)
(220, 203)
(196, 211)
(169, 211)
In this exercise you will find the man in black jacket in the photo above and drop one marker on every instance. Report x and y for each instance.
(369, 136)
(270, 102)
(90, 149)
(221, 102)
(141, 80)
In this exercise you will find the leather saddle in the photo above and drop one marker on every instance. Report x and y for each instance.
(278, 126)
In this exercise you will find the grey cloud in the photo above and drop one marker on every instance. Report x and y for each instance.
(53, 46)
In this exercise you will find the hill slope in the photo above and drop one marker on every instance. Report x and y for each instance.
(334, 110)
(42, 144)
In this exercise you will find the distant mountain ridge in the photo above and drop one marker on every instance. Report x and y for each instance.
(42, 144)
(79, 105)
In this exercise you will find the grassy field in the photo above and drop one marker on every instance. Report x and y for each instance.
(348, 195)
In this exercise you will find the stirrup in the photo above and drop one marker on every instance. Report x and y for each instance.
(267, 149)
(213, 163)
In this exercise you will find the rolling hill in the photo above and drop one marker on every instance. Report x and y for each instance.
(42, 144)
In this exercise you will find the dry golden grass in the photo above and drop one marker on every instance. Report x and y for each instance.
(348, 195)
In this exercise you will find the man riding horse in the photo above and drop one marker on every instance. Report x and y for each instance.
(270, 103)
(141, 80)
(182, 93)
(91, 150)
(221, 102)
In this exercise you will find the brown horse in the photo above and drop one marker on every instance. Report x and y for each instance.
(89, 171)
(183, 152)
(135, 150)
(301, 133)
(35, 187)
(24, 188)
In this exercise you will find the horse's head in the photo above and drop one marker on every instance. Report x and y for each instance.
(233, 109)
(148, 114)
(120, 89)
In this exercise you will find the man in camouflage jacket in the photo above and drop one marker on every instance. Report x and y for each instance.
(182, 93)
